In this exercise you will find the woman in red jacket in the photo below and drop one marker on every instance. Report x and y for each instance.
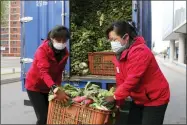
(46, 70)
(138, 76)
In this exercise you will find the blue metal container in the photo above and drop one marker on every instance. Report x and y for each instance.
(38, 17)
(141, 15)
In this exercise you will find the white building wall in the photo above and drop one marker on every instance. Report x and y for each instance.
(181, 48)
(185, 58)
(173, 28)
(172, 50)
(168, 18)
(179, 13)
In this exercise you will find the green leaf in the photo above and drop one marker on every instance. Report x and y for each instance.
(51, 97)
(89, 20)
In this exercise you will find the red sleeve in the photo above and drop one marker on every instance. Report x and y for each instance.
(137, 63)
(43, 66)
(59, 80)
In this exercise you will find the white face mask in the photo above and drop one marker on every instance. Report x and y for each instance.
(59, 46)
(116, 45)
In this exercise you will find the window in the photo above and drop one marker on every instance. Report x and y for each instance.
(4, 43)
(14, 36)
(14, 23)
(14, 42)
(4, 23)
(4, 29)
(6, 49)
(14, 3)
(15, 29)
(14, 50)
(14, 16)
(14, 10)
(4, 35)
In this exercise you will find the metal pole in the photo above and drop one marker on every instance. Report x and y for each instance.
(9, 25)
(63, 13)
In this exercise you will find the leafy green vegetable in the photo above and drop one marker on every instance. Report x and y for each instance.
(90, 92)
(71, 90)
(68, 104)
(88, 27)
(51, 97)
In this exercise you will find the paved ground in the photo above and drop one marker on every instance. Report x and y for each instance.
(12, 109)
(176, 112)
(10, 76)
(14, 112)
(178, 67)
(10, 65)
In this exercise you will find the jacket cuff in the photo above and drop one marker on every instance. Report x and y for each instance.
(53, 87)
(118, 98)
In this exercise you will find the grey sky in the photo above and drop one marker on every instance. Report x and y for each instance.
(157, 24)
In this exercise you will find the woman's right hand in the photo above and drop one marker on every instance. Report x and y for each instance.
(61, 95)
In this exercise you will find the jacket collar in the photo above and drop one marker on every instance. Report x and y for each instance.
(138, 40)
(50, 51)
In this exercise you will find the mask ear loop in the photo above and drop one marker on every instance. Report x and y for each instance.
(133, 26)
(124, 36)
(130, 23)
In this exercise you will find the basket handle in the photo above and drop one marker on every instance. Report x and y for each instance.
(106, 119)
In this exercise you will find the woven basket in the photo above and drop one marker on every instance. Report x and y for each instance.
(76, 114)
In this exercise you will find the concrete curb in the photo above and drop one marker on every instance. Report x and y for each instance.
(179, 64)
(174, 69)
(8, 81)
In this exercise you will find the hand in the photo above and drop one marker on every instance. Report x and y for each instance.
(109, 99)
(115, 109)
(60, 95)
(116, 112)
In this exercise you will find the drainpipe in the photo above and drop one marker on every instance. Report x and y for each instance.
(9, 25)
(63, 13)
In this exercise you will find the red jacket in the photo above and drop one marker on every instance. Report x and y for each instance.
(45, 70)
(140, 77)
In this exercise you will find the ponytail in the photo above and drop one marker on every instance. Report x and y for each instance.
(48, 35)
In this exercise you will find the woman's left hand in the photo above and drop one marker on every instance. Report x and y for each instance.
(61, 95)
(109, 99)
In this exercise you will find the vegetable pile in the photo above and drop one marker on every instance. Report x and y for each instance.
(92, 95)
(88, 27)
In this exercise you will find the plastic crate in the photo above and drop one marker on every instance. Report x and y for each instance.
(76, 114)
(100, 63)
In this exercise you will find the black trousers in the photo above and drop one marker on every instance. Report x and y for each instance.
(146, 115)
(40, 104)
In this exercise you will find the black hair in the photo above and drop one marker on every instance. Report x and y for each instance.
(48, 35)
(121, 28)
(59, 32)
